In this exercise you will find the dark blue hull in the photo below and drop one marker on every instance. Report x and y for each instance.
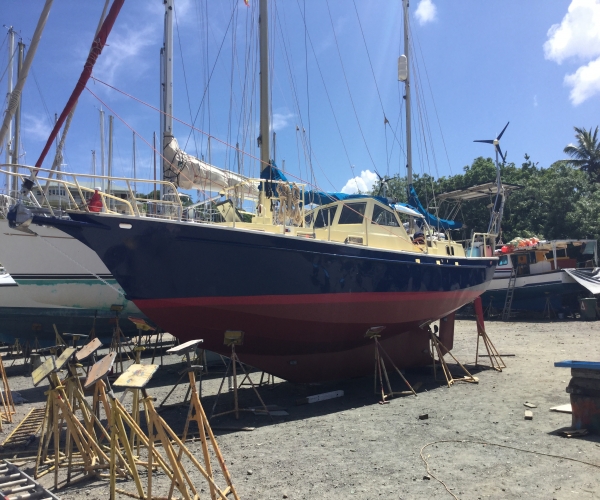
(295, 298)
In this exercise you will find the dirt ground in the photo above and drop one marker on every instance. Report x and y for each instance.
(353, 447)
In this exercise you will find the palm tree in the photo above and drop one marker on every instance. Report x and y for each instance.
(586, 155)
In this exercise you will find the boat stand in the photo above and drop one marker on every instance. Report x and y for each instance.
(186, 349)
(8, 405)
(233, 338)
(375, 333)
(549, 311)
(438, 348)
(58, 414)
(117, 341)
(174, 461)
(495, 359)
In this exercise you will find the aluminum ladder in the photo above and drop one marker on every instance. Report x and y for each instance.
(16, 485)
(510, 292)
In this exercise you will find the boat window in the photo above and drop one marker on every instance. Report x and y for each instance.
(353, 213)
(384, 217)
(325, 215)
(503, 261)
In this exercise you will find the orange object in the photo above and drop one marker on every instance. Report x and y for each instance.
(95, 204)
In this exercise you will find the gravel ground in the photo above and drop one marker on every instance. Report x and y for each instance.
(353, 447)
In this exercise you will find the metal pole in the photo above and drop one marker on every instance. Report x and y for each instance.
(154, 156)
(409, 173)
(17, 144)
(110, 151)
(11, 50)
(102, 153)
(167, 62)
(93, 162)
(265, 105)
(134, 167)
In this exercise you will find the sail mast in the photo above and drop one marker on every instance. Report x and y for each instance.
(263, 23)
(166, 96)
(409, 173)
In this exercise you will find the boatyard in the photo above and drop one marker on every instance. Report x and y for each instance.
(473, 437)
(189, 316)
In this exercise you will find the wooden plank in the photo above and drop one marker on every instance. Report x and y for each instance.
(320, 397)
(529, 405)
(189, 346)
(88, 349)
(64, 358)
(100, 369)
(136, 376)
(562, 408)
(42, 371)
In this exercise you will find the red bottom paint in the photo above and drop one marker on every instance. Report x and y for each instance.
(309, 338)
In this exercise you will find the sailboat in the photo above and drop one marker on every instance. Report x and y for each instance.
(303, 285)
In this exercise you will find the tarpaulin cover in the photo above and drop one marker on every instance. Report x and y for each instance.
(431, 219)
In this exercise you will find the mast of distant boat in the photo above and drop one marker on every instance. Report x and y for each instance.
(166, 100)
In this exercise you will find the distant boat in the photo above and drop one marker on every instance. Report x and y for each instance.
(304, 286)
(548, 273)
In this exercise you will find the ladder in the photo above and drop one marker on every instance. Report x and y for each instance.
(15, 485)
(510, 292)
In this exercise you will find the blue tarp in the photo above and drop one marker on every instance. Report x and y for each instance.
(431, 219)
(323, 198)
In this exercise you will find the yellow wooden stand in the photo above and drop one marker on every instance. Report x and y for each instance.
(495, 359)
(59, 414)
(175, 456)
(6, 399)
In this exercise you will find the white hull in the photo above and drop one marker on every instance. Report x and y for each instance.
(54, 270)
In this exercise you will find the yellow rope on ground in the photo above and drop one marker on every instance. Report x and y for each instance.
(491, 444)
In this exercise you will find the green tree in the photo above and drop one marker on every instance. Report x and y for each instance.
(586, 154)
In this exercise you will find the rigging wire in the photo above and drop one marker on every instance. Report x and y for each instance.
(207, 86)
(187, 90)
(348, 86)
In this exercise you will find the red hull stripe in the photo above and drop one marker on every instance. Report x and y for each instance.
(331, 298)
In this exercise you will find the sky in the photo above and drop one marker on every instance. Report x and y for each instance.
(337, 106)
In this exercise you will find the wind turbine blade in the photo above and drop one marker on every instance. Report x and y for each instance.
(487, 141)
(500, 151)
(502, 131)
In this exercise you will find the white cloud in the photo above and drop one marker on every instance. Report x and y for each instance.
(578, 37)
(35, 127)
(585, 82)
(364, 183)
(123, 50)
(535, 101)
(280, 121)
(426, 12)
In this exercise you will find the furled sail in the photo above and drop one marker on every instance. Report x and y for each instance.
(188, 172)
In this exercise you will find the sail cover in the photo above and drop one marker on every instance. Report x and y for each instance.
(188, 172)
(431, 219)
(588, 278)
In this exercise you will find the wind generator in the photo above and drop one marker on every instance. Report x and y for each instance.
(498, 207)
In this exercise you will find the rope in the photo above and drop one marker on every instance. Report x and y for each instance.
(485, 443)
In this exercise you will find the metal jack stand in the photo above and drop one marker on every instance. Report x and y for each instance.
(441, 350)
(375, 333)
(233, 338)
(495, 359)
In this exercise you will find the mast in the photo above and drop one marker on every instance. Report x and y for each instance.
(110, 151)
(11, 53)
(134, 166)
(102, 154)
(167, 88)
(17, 142)
(409, 173)
(265, 105)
